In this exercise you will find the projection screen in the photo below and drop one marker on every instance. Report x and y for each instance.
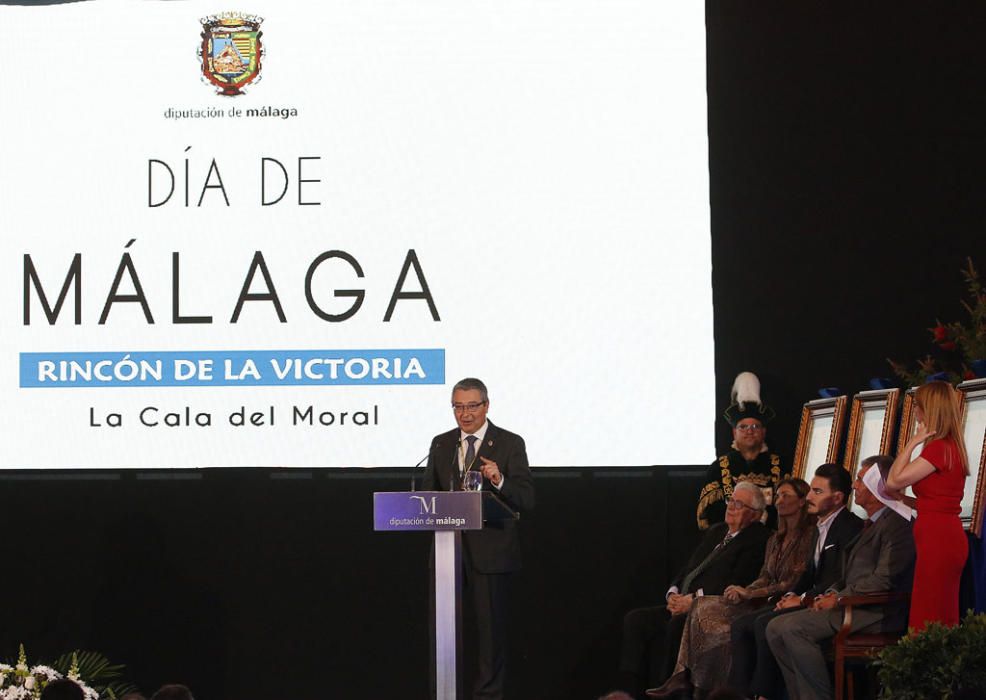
(277, 237)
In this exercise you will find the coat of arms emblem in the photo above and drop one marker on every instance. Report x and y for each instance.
(231, 51)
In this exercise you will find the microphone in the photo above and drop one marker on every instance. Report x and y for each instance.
(424, 459)
(455, 464)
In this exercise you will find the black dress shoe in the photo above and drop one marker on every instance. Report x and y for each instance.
(678, 683)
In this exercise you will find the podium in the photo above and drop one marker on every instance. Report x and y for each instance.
(448, 514)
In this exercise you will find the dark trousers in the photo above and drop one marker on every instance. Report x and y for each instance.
(754, 670)
(651, 637)
(488, 594)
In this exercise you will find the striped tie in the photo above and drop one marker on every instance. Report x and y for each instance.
(470, 453)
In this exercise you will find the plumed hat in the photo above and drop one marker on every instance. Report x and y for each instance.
(746, 402)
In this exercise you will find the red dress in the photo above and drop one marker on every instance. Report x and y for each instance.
(940, 540)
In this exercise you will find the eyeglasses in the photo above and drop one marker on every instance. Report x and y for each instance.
(749, 428)
(468, 407)
(735, 505)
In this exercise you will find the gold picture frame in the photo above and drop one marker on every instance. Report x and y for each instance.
(974, 431)
(872, 421)
(820, 433)
(908, 422)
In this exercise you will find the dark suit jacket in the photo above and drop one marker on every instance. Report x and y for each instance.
(816, 580)
(739, 562)
(496, 548)
(881, 559)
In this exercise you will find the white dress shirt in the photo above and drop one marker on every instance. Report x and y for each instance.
(464, 445)
(823, 533)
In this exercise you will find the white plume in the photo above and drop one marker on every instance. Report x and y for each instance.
(746, 389)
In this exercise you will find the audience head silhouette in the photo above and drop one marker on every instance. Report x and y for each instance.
(63, 689)
(174, 691)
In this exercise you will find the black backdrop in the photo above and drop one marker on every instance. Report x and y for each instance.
(845, 157)
(846, 150)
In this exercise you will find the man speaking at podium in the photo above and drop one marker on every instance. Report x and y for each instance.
(490, 554)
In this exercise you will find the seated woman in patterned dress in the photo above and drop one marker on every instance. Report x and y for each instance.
(704, 657)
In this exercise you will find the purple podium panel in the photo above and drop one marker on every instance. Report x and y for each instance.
(428, 510)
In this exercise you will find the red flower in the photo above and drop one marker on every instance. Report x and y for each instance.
(969, 374)
(940, 333)
(949, 345)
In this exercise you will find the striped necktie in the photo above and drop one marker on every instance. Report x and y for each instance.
(470, 453)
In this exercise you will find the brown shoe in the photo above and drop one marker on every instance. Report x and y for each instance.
(678, 683)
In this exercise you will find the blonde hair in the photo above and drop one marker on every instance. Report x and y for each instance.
(939, 401)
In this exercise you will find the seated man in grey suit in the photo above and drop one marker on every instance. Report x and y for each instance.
(881, 559)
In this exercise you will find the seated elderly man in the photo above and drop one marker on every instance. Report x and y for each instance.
(880, 559)
(731, 552)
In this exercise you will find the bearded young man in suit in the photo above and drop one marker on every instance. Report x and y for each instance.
(753, 671)
(880, 559)
(490, 555)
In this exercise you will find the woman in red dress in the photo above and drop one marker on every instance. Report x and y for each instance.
(938, 480)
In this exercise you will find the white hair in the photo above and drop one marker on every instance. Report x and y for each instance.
(759, 502)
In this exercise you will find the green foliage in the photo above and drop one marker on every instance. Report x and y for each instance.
(90, 669)
(957, 344)
(936, 663)
(970, 337)
(916, 377)
(96, 670)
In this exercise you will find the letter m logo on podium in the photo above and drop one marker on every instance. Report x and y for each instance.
(427, 504)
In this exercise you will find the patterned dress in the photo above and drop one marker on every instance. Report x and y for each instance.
(705, 647)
